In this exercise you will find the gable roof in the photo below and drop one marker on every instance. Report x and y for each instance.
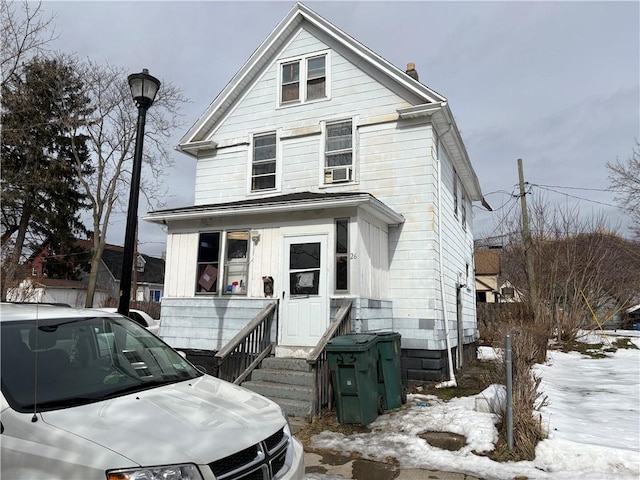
(428, 104)
(153, 268)
(271, 45)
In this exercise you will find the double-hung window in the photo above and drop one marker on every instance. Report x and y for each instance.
(263, 166)
(303, 79)
(229, 276)
(316, 77)
(236, 264)
(338, 152)
(290, 82)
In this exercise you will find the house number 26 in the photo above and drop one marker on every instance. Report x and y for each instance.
(353, 256)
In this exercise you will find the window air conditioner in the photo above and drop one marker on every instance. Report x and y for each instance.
(340, 174)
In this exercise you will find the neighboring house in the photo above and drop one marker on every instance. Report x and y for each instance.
(149, 277)
(487, 273)
(325, 173)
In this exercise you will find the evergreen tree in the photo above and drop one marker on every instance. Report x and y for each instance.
(41, 198)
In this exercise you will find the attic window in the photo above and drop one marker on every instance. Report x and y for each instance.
(304, 79)
(290, 82)
(316, 78)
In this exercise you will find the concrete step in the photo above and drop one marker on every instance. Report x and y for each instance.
(282, 363)
(289, 377)
(294, 408)
(280, 390)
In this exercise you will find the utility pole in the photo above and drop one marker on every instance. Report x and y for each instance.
(528, 246)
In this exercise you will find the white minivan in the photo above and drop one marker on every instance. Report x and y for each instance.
(93, 395)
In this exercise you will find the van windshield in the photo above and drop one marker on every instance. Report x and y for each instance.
(83, 360)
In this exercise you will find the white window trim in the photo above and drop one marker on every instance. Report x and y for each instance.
(354, 153)
(303, 79)
(278, 185)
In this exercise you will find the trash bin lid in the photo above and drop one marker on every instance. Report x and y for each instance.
(353, 342)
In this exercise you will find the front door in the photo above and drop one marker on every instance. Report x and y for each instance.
(304, 304)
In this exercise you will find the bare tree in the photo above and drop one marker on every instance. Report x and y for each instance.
(111, 129)
(24, 32)
(624, 179)
(581, 266)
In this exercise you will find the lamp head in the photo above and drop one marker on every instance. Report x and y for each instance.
(144, 88)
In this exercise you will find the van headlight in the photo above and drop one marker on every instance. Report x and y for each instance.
(187, 471)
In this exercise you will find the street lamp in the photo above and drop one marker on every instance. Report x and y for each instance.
(143, 90)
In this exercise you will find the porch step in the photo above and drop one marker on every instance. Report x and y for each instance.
(284, 363)
(286, 381)
(282, 376)
(280, 390)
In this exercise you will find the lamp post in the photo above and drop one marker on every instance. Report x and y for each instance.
(143, 90)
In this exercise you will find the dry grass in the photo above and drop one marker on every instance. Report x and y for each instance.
(528, 346)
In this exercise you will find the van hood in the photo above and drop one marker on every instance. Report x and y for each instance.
(199, 421)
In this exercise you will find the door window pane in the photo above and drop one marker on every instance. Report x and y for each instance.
(304, 268)
(304, 255)
(304, 283)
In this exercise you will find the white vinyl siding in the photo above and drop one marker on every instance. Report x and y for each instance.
(396, 162)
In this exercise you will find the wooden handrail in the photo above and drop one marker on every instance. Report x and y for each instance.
(242, 334)
(322, 393)
(238, 358)
(330, 332)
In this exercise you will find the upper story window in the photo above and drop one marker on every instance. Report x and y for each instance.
(463, 210)
(455, 194)
(316, 77)
(263, 164)
(290, 82)
(338, 152)
(303, 79)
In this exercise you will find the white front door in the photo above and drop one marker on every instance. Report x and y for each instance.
(304, 305)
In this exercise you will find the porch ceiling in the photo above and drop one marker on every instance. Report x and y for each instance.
(283, 203)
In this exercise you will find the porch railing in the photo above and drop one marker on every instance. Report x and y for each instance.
(238, 358)
(317, 359)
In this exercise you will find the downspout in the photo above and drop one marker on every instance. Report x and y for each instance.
(452, 378)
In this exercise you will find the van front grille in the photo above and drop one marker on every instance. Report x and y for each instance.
(258, 462)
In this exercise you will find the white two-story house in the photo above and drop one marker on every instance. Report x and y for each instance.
(325, 173)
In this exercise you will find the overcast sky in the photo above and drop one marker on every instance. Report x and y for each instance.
(554, 83)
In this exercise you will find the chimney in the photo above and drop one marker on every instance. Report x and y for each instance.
(411, 71)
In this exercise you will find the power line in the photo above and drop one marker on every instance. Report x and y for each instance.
(574, 188)
(578, 198)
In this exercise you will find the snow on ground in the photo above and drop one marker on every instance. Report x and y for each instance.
(592, 418)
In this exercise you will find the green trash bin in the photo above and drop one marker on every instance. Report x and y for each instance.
(389, 373)
(353, 363)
